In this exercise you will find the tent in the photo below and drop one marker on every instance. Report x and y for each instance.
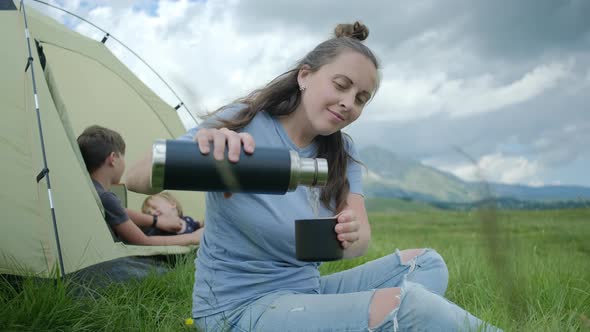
(79, 82)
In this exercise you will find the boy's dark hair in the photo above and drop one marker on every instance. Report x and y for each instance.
(96, 144)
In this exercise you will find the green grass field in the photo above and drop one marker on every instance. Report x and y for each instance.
(520, 270)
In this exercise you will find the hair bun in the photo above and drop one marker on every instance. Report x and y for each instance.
(357, 31)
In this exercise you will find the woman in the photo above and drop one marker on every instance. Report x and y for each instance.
(247, 275)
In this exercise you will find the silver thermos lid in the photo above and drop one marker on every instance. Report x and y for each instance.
(312, 172)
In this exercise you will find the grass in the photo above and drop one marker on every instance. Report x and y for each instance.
(529, 271)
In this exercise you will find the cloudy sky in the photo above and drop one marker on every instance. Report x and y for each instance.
(505, 82)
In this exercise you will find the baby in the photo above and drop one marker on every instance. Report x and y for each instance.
(165, 203)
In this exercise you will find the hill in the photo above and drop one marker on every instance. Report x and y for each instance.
(390, 176)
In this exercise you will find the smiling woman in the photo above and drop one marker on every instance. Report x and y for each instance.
(248, 276)
(337, 91)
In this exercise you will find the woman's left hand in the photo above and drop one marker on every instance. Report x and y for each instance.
(347, 228)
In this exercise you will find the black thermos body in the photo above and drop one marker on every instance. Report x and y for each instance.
(180, 165)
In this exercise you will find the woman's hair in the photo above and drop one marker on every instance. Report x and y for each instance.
(281, 97)
(165, 195)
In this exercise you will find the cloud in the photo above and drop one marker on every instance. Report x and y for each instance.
(527, 29)
(198, 48)
(517, 31)
(405, 98)
(552, 129)
(480, 95)
(229, 48)
(498, 168)
(498, 78)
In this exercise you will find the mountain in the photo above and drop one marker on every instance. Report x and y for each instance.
(389, 176)
(503, 203)
(544, 193)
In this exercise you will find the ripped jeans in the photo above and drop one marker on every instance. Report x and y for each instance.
(345, 299)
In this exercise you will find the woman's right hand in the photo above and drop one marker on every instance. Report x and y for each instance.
(221, 138)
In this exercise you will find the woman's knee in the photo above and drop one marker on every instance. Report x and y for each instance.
(421, 309)
(384, 301)
(407, 255)
(420, 305)
(424, 258)
(432, 269)
(437, 264)
(417, 305)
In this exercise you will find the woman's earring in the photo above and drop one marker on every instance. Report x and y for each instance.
(302, 88)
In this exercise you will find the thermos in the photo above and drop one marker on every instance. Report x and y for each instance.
(180, 165)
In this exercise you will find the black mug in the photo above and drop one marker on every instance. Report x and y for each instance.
(316, 240)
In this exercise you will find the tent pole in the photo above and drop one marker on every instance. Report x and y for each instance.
(45, 172)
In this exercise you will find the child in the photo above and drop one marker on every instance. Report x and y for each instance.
(103, 151)
(163, 204)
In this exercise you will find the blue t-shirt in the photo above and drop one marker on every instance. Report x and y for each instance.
(248, 247)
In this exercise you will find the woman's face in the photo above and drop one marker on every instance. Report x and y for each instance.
(336, 94)
(158, 206)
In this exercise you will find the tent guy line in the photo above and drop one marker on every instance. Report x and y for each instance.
(107, 36)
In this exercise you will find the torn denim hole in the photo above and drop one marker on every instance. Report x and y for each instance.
(392, 316)
(412, 262)
(297, 309)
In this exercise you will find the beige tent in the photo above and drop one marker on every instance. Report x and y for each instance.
(79, 83)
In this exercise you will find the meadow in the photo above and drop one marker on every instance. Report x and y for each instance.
(520, 270)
